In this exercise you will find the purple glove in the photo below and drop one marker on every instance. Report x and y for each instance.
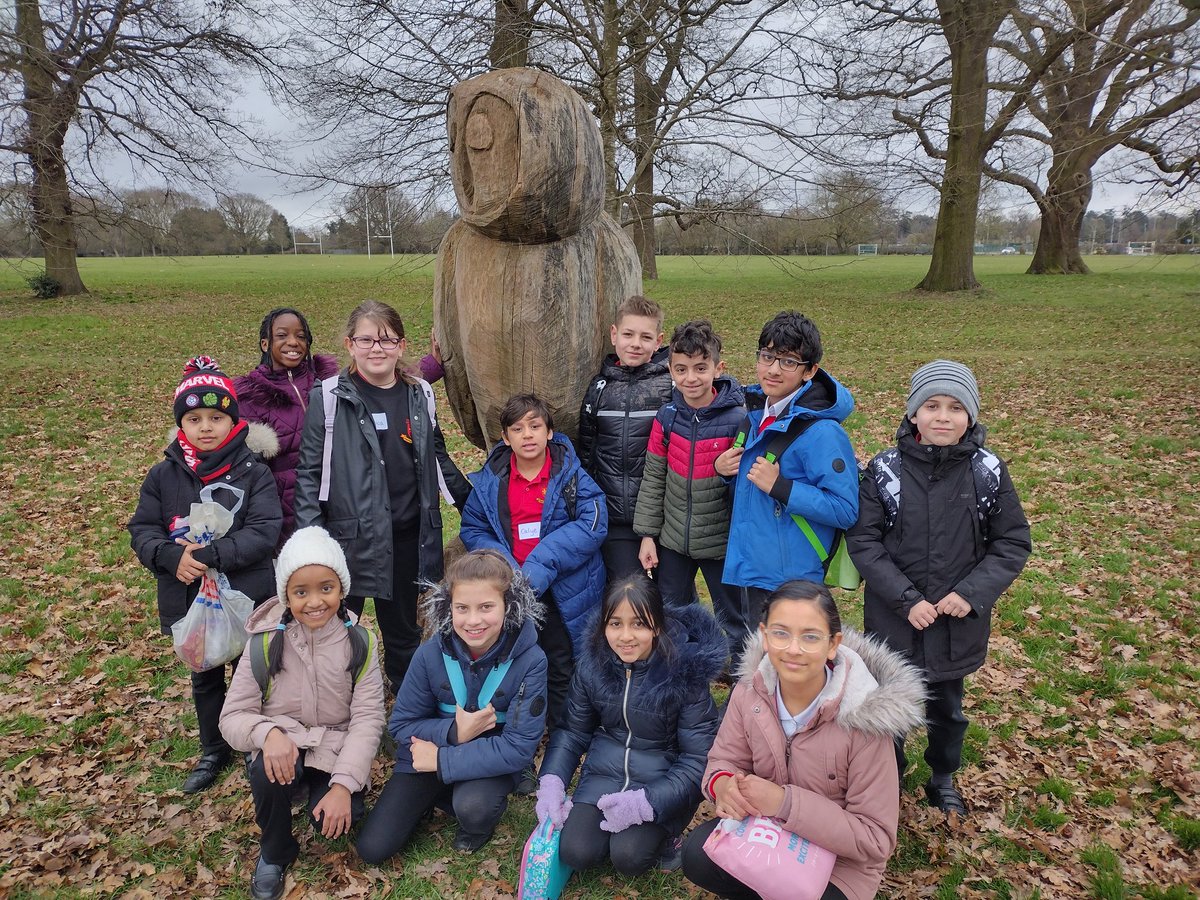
(552, 801)
(623, 809)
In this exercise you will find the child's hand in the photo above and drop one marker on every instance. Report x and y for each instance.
(763, 474)
(279, 757)
(333, 812)
(730, 802)
(727, 463)
(189, 570)
(424, 754)
(648, 554)
(471, 725)
(765, 797)
(922, 615)
(954, 605)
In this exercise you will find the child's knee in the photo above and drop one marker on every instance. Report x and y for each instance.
(478, 810)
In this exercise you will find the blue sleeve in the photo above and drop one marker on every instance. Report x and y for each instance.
(415, 713)
(823, 478)
(574, 734)
(512, 749)
(569, 546)
(476, 528)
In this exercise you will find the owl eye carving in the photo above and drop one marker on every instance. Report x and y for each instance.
(479, 132)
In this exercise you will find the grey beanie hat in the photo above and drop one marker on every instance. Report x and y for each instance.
(943, 376)
(311, 546)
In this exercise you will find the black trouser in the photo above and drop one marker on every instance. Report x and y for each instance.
(946, 725)
(704, 873)
(555, 641)
(273, 807)
(208, 693)
(677, 580)
(397, 615)
(620, 551)
(583, 844)
(408, 796)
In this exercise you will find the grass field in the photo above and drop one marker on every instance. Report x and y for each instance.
(1082, 754)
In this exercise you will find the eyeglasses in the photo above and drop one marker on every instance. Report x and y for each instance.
(787, 363)
(810, 641)
(366, 343)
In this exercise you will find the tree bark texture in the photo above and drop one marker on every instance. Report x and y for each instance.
(510, 35)
(528, 280)
(969, 26)
(645, 111)
(1062, 207)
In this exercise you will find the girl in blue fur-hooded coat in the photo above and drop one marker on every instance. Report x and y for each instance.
(640, 708)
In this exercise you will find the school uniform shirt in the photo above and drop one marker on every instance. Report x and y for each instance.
(526, 501)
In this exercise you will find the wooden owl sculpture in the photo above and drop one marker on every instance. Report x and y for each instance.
(529, 277)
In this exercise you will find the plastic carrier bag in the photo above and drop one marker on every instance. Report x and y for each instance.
(543, 874)
(769, 859)
(214, 630)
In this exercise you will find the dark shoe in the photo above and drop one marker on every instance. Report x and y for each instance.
(268, 881)
(469, 843)
(206, 771)
(671, 856)
(528, 783)
(947, 799)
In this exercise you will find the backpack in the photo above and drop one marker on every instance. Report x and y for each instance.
(329, 399)
(362, 647)
(459, 685)
(985, 472)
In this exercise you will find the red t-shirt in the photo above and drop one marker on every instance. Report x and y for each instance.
(525, 501)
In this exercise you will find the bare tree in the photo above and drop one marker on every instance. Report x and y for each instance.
(248, 218)
(149, 78)
(847, 207)
(1128, 79)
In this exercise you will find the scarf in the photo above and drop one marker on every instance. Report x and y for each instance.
(211, 464)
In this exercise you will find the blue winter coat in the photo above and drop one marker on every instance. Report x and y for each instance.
(818, 479)
(566, 560)
(425, 702)
(645, 725)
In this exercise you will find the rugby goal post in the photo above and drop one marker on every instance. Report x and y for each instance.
(1141, 248)
(868, 249)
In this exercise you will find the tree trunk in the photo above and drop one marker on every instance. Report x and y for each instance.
(645, 111)
(50, 195)
(510, 35)
(1068, 193)
(609, 65)
(969, 26)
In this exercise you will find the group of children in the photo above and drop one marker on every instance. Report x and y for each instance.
(574, 609)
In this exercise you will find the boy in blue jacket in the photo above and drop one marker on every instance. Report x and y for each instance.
(534, 503)
(813, 483)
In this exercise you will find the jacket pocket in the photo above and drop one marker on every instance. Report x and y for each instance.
(342, 529)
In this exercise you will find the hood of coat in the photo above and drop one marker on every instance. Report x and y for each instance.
(906, 440)
(562, 456)
(698, 655)
(660, 363)
(267, 617)
(729, 394)
(260, 439)
(269, 389)
(873, 688)
(521, 605)
(823, 397)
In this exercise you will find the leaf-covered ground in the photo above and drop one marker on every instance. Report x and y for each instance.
(1082, 755)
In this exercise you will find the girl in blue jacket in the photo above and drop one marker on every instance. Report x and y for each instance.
(640, 708)
(471, 711)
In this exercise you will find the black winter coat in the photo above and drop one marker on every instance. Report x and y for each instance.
(358, 513)
(614, 427)
(646, 725)
(244, 555)
(938, 545)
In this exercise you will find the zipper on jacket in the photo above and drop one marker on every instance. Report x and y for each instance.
(687, 522)
(299, 396)
(625, 716)
(515, 706)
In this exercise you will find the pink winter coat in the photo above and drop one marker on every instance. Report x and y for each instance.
(841, 788)
(313, 699)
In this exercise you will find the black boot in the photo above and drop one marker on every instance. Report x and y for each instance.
(268, 881)
(206, 771)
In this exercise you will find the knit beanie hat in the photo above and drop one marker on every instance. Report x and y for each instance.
(311, 546)
(205, 386)
(942, 376)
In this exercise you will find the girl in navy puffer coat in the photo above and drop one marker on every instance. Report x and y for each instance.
(640, 707)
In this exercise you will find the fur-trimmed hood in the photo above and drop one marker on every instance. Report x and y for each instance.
(698, 652)
(260, 439)
(521, 605)
(873, 689)
(265, 388)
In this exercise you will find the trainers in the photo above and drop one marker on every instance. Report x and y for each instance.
(947, 799)
(268, 880)
(671, 857)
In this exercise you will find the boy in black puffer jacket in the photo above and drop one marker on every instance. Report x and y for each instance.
(940, 536)
(615, 418)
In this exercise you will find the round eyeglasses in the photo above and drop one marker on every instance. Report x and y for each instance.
(787, 363)
(366, 343)
(810, 641)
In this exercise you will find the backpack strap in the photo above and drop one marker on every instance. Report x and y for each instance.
(985, 472)
(884, 468)
(362, 649)
(259, 645)
(431, 408)
(668, 423)
(330, 404)
(459, 685)
(570, 495)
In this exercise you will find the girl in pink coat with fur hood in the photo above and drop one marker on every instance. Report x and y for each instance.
(316, 717)
(807, 739)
